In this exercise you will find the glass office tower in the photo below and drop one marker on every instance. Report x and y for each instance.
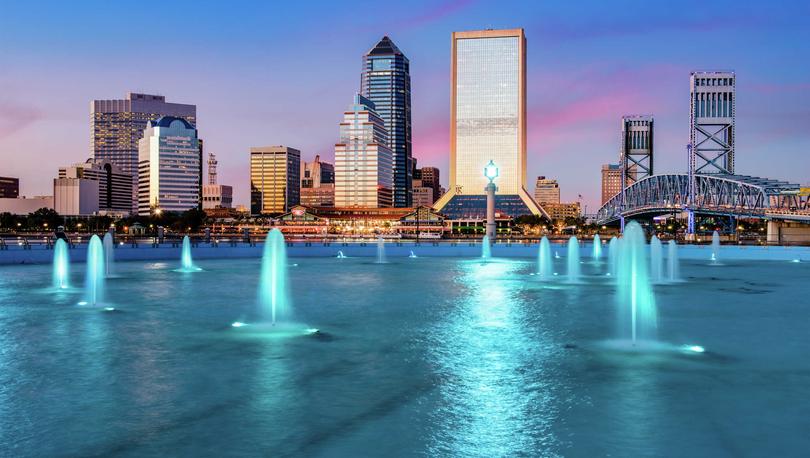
(386, 81)
(488, 122)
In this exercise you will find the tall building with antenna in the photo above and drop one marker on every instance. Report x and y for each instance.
(212, 168)
(216, 195)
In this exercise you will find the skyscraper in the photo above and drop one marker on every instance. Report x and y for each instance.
(711, 127)
(92, 187)
(546, 191)
(488, 122)
(611, 181)
(317, 183)
(430, 178)
(170, 167)
(363, 171)
(386, 81)
(275, 179)
(118, 125)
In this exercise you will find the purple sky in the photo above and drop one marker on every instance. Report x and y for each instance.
(264, 74)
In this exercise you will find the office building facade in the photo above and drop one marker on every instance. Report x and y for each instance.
(546, 191)
(363, 161)
(275, 179)
(118, 125)
(611, 181)
(422, 195)
(386, 81)
(92, 187)
(317, 183)
(430, 178)
(9, 188)
(170, 167)
(487, 123)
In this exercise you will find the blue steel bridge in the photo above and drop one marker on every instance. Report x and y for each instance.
(737, 196)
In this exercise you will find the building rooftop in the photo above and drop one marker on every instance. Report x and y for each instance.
(385, 47)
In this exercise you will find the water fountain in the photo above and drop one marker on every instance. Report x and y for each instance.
(381, 250)
(340, 255)
(715, 247)
(186, 263)
(597, 248)
(108, 255)
(613, 255)
(94, 280)
(411, 255)
(656, 260)
(674, 267)
(635, 295)
(573, 260)
(544, 259)
(486, 248)
(61, 264)
(274, 299)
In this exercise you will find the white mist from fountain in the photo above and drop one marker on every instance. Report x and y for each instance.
(636, 303)
(656, 260)
(486, 248)
(613, 255)
(573, 261)
(109, 266)
(597, 248)
(715, 247)
(340, 255)
(412, 255)
(61, 264)
(96, 271)
(544, 268)
(674, 266)
(186, 263)
(381, 259)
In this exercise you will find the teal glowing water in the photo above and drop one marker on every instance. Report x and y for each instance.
(340, 255)
(381, 259)
(635, 300)
(544, 269)
(490, 363)
(674, 263)
(186, 262)
(274, 294)
(109, 260)
(486, 247)
(597, 248)
(656, 260)
(95, 273)
(574, 269)
(61, 265)
(613, 255)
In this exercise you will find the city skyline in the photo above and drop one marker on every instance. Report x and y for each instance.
(580, 81)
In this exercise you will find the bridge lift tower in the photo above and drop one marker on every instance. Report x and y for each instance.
(636, 154)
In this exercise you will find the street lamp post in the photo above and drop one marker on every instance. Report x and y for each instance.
(491, 172)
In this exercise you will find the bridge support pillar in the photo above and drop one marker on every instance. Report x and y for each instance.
(786, 233)
(690, 225)
(621, 224)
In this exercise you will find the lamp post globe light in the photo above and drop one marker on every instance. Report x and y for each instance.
(491, 172)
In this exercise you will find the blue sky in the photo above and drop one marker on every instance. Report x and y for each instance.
(283, 73)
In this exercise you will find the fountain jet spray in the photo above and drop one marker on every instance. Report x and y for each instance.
(486, 248)
(715, 247)
(597, 248)
(613, 255)
(186, 264)
(108, 255)
(274, 297)
(656, 260)
(61, 264)
(573, 260)
(381, 259)
(96, 271)
(674, 266)
(544, 259)
(635, 295)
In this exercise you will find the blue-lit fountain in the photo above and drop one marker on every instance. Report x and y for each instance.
(672, 260)
(96, 271)
(544, 268)
(486, 248)
(656, 260)
(61, 264)
(635, 298)
(715, 247)
(186, 263)
(340, 255)
(381, 259)
(109, 261)
(597, 248)
(573, 273)
(412, 255)
(275, 304)
(613, 255)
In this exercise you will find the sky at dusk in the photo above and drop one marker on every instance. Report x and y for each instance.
(269, 73)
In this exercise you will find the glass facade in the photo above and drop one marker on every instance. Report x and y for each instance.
(386, 82)
(275, 179)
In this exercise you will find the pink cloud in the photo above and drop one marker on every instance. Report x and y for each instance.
(15, 117)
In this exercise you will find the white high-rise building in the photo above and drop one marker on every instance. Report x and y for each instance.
(546, 191)
(169, 167)
(488, 123)
(363, 170)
